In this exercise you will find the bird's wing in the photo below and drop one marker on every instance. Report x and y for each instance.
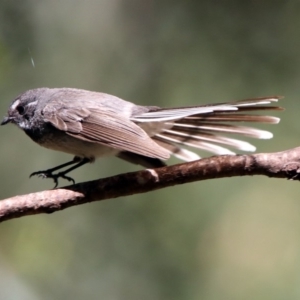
(104, 127)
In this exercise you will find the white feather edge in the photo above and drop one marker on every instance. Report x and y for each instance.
(186, 155)
(238, 144)
(255, 102)
(204, 146)
(177, 113)
(174, 114)
(257, 133)
(183, 154)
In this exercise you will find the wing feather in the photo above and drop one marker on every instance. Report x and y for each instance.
(104, 127)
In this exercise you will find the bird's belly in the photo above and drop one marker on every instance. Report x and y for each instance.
(68, 144)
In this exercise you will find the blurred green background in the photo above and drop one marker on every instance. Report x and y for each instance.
(236, 238)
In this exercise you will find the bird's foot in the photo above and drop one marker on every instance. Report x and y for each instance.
(55, 177)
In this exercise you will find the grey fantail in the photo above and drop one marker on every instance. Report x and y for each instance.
(91, 124)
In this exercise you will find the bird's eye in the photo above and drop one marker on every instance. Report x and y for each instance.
(20, 109)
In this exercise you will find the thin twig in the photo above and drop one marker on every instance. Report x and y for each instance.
(285, 164)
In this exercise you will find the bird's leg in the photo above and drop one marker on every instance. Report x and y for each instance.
(49, 173)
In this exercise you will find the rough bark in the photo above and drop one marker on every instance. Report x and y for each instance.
(285, 164)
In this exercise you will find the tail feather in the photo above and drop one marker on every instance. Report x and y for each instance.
(211, 138)
(196, 144)
(204, 127)
(227, 129)
(243, 107)
(233, 118)
(176, 150)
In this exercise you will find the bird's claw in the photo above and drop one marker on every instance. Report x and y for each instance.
(55, 177)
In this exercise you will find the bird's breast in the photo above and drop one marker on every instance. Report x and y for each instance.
(60, 141)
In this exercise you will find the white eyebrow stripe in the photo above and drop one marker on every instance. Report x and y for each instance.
(32, 103)
(14, 106)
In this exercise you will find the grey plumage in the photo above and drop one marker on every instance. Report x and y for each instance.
(90, 124)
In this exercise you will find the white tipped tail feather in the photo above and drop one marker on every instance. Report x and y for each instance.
(204, 127)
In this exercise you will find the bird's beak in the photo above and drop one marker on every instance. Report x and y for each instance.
(6, 120)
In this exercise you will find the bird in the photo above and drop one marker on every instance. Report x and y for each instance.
(91, 124)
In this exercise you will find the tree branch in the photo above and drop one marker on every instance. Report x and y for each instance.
(285, 164)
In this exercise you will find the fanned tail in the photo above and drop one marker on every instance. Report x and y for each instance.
(207, 127)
